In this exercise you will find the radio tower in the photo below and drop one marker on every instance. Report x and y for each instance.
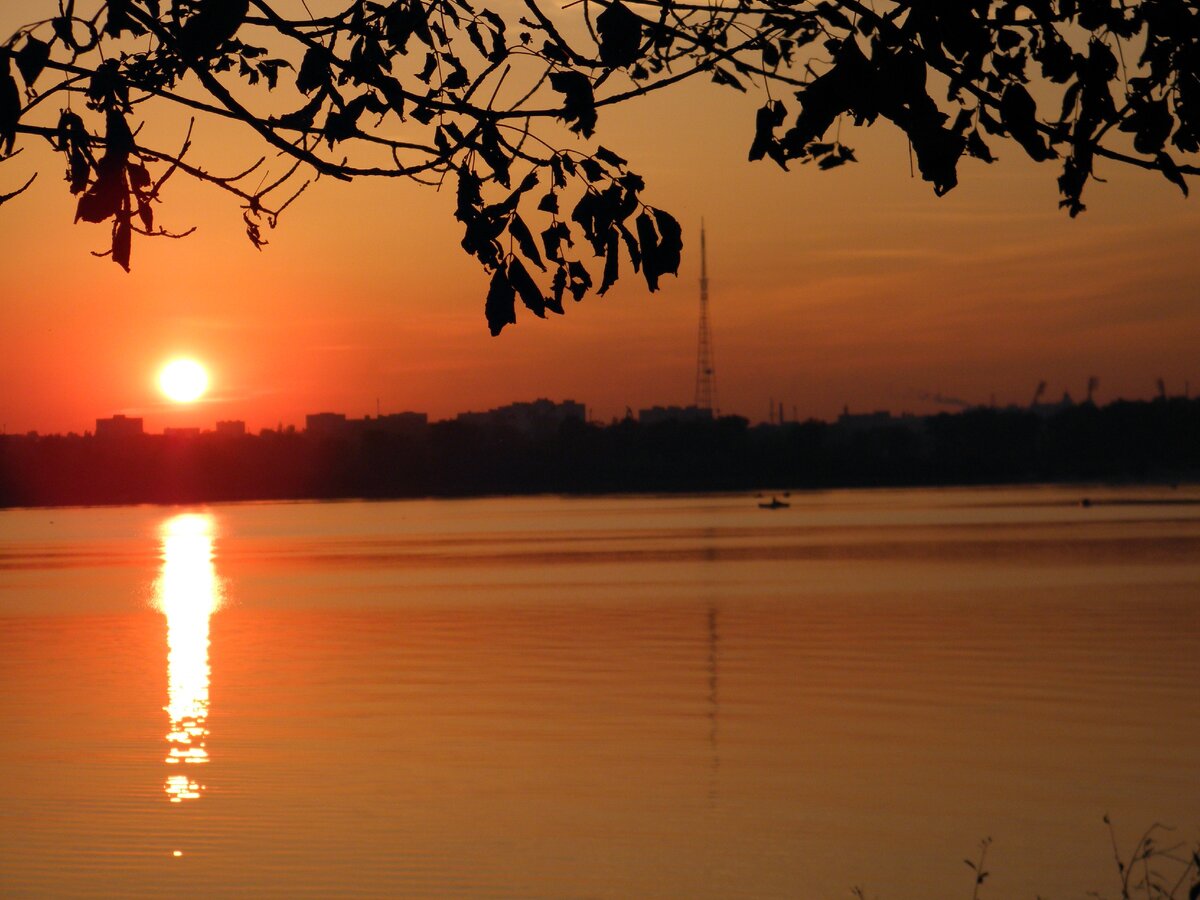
(706, 373)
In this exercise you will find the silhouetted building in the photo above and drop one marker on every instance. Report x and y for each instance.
(119, 427)
(864, 421)
(539, 417)
(325, 424)
(181, 433)
(849, 422)
(232, 428)
(1045, 410)
(409, 423)
(658, 414)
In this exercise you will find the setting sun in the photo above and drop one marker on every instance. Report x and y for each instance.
(183, 380)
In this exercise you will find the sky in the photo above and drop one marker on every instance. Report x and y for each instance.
(852, 288)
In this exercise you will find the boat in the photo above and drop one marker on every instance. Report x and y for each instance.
(775, 503)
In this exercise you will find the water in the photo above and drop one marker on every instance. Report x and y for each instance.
(603, 697)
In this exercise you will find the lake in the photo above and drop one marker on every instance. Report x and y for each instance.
(599, 697)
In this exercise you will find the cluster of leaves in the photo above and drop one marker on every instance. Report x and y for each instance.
(432, 90)
(602, 213)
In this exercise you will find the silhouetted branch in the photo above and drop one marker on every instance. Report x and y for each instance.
(394, 90)
(4, 198)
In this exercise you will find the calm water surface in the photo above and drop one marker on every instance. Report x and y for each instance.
(631, 697)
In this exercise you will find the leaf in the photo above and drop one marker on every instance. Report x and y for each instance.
(531, 294)
(605, 155)
(557, 286)
(1171, 171)
(612, 255)
(429, 68)
(635, 255)
(122, 241)
(302, 119)
(1018, 112)
(651, 261)
(501, 305)
(579, 103)
(32, 58)
(620, 33)
(591, 169)
(580, 280)
(10, 106)
(493, 153)
(553, 237)
(103, 199)
(520, 231)
(405, 18)
(549, 203)
(766, 120)
(119, 20)
(670, 245)
(477, 38)
(342, 124)
(720, 76)
(314, 70)
(977, 148)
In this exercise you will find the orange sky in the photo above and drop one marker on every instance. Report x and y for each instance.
(854, 287)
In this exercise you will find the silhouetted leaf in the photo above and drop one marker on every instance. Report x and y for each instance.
(1151, 124)
(103, 199)
(557, 286)
(766, 120)
(302, 119)
(620, 33)
(579, 103)
(119, 20)
(210, 26)
(553, 237)
(1018, 112)
(651, 259)
(501, 305)
(122, 241)
(428, 69)
(670, 243)
(549, 203)
(631, 245)
(1171, 171)
(612, 254)
(493, 153)
(32, 58)
(520, 231)
(404, 19)
(10, 105)
(314, 70)
(591, 169)
(342, 124)
(977, 148)
(531, 294)
(605, 155)
(721, 76)
(146, 214)
(580, 280)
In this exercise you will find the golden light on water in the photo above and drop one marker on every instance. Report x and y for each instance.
(188, 592)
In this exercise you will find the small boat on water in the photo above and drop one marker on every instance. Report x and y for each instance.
(775, 503)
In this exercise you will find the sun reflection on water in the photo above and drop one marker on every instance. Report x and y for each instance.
(188, 592)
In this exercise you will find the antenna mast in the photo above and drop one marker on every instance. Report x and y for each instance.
(706, 373)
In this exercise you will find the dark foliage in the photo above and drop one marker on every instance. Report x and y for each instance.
(441, 89)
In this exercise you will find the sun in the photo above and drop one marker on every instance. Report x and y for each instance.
(183, 380)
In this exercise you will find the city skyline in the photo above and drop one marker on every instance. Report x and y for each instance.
(1044, 400)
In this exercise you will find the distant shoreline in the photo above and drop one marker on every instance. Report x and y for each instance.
(1153, 444)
